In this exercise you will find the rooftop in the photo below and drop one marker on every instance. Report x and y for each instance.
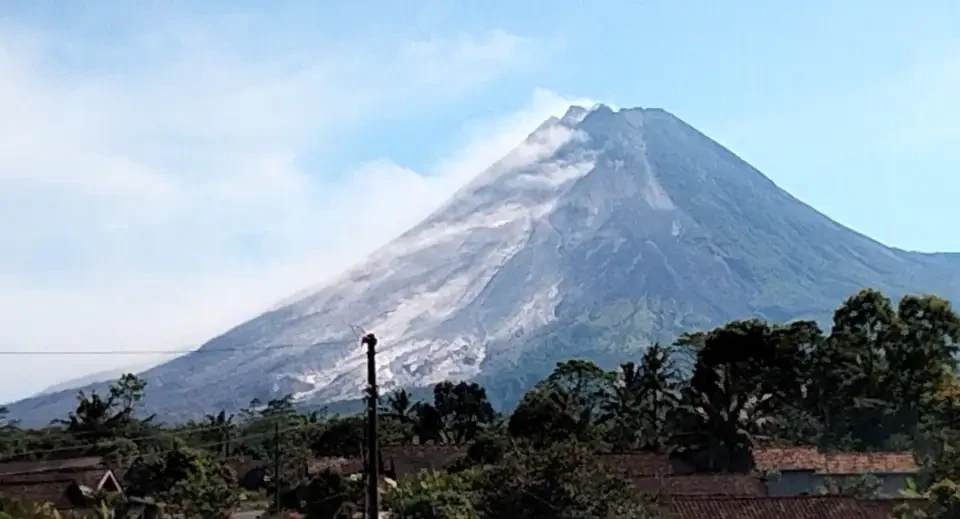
(741, 485)
(802, 507)
(809, 458)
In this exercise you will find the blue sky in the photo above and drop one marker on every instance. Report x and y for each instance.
(170, 168)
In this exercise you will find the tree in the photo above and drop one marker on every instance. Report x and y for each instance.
(860, 486)
(327, 496)
(637, 406)
(543, 416)
(400, 407)
(621, 410)
(851, 371)
(204, 494)
(586, 383)
(570, 400)
(942, 501)
(433, 495)
(340, 436)
(190, 482)
(742, 372)
(11, 508)
(219, 430)
(98, 417)
(401, 412)
(559, 482)
(922, 359)
(878, 375)
(458, 413)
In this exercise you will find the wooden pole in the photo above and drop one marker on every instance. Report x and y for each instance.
(373, 476)
(276, 466)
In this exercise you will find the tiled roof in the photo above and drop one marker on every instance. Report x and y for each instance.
(638, 464)
(25, 467)
(50, 485)
(803, 507)
(411, 459)
(787, 458)
(335, 464)
(701, 485)
(809, 458)
(857, 462)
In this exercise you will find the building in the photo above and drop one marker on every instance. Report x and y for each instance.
(796, 507)
(66, 484)
(794, 471)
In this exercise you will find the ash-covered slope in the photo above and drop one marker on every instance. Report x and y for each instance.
(602, 231)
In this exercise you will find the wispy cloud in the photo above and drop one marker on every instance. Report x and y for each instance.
(155, 206)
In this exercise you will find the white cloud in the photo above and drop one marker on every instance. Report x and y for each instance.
(155, 208)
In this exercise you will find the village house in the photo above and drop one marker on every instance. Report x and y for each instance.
(794, 471)
(795, 507)
(69, 485)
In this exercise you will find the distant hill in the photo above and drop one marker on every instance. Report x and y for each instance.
(100, 376)
(603, 231)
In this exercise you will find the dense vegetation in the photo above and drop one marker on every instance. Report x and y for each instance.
(883, 378)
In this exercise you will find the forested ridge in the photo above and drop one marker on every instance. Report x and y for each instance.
(883, 378)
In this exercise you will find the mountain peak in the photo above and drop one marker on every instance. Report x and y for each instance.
(574, 115)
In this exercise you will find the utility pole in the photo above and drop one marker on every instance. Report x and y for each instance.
(373, 477)
(276, 466)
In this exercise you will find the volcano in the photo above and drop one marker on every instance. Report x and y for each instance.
(605, 230)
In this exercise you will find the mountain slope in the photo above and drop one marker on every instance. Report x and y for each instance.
(603, 231)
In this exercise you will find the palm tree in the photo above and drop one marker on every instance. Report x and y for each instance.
(220, 427)
(403, 411)
(400, 407)
(720, 425)
(622, 408)
(657, 385)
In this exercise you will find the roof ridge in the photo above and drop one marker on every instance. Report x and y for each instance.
(770, 498)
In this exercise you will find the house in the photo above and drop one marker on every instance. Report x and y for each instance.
(66, 484)
(643, 463)
(802, 507)
(796, 507)
(730, 485)
(402, 460)
(793, 471)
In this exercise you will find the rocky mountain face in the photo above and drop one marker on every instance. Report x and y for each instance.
(603, 231)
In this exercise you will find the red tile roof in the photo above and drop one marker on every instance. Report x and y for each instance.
(803, 507)
(51, 486)
(26, 467)
(640, 463)
(411, 459)
(809, 458)
(338, 465)
(701, 485)
(858, 462)
(787, 458)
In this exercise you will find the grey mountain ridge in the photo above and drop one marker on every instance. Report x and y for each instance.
(604, 231)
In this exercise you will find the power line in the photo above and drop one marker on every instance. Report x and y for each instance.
(152, 453)
(158, 352)
(183, 434)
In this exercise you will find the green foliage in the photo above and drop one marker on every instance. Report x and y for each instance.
(558, 482)
(456, 416)
(860, 486)
(99, 417)
(433, 495)
(325, 496)
(11, 508)
(190, 482)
